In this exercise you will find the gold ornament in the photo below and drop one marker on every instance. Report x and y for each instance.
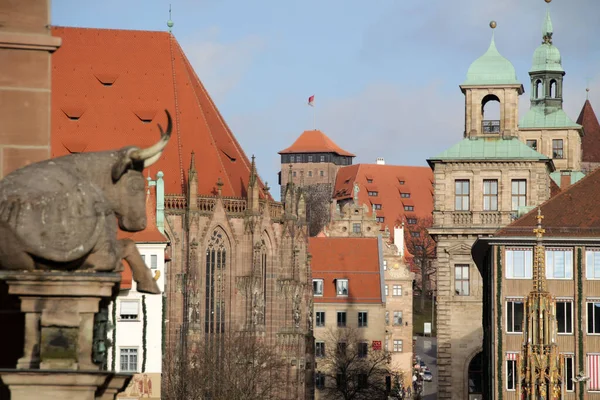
(493, 24)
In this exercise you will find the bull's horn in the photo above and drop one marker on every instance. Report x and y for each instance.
(149, 161)
(157, 148)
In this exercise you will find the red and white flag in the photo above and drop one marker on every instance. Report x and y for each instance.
(311, 101)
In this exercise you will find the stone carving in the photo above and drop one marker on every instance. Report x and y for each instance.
(258, 308)
(309, 312)
(356, 190)
(63, 213)
(296, 311)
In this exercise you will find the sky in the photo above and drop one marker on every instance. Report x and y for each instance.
(385, 73)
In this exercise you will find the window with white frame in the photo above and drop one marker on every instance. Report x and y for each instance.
(362, 319)
(568, 374)
(341, 287)
(593, 372)
(153, 261)
(559, 263)
(519, 263)
(319, 349)
(461, 195)
(593, 317)
(385, 265)
(363, 349)
(461, 279)
(341, 319)
(396, 290)
(592, 264)
(564, 316)
(397, 317)
(397, 345)
(387, 317)
(514, 316)
(386, 291)
(320, 318)
(490, 195)
(129, 309)
(511, 371)
(129, 359)
(318, 287)
(519, 193)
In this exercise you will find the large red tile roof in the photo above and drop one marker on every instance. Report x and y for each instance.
(386, 181)
(315, 141)
(573, 212)
(590, 143)
(110, 89)
(355, 259)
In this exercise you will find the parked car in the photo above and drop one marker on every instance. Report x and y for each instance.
(427, 376)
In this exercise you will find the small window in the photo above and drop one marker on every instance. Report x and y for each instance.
(294, 174)
(322, 158)
(143, 258)
(559, 263)
(415, 234)
(593, 317)
(412, 221)
(557, 148)
(409, 208)
(310, 158)
(372, 193)
(291, 159)
(129, 359)
(401, 182)
(387, 319)
(462, 193)
(319, 349)
(514, 316)
(363, 349)
(320, 318)
(309, 173)
(519, 263)
(564, 317)
(362, 381)
(340, 381)
(369, 180)
(153, 261)
(342, 347)
(490, 195)
(397, 346)
(362, 319)
(397, 290)
(532, 143)
(319, 381)
(341, 319)
(385, 265)
(380, 219)
(341, 286)
(592, 264)
(321, 173)
(461, 279)
(377, 206)
(511, 375)
(398, 318)
(568, 373)
(129, 309)
(356, 228)
(386, 291)
(405, 195)
(318, 287)
(519, 193)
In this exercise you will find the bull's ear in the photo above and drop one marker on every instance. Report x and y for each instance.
(121, 166)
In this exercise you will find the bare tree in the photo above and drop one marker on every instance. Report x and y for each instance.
(349, 369)
(318, 203)
(235, 366)
(422, 248)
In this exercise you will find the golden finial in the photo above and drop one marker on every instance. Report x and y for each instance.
(539, 231)
(219, 186)
(493, 24)
(547, 1)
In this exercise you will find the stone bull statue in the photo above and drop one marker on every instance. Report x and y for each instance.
(62, 213)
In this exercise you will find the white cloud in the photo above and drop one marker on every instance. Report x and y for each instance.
(221, 65)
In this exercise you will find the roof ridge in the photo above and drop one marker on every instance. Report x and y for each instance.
(90, 28)
(179, 146)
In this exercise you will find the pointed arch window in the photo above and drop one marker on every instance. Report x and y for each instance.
(216, 263)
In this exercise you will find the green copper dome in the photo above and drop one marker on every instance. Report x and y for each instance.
(546, 57)
(491, 69)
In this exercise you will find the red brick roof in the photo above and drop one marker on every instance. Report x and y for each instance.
(590, 143)
(573, 212)
(110, 89)
(386, 181)
(315, 142)
(355, 259)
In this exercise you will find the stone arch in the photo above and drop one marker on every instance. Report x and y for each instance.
(473, 371)
(538, 89)
(218, 257)
(553, 88)
(490, 113)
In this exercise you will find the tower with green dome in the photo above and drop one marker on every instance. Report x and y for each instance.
(546, 127)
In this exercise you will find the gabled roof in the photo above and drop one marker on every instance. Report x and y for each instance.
(355, 259)
(315, 141)
(492, 148)
(573, 212)
(590, 143)
(539, 116)
(110, 89)
(389, 181)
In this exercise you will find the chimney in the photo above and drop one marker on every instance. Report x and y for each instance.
(399, 239)
(380, 161)
(565, 179)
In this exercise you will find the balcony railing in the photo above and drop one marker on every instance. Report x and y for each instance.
(232, 205)
(490, 126)
(487, 219)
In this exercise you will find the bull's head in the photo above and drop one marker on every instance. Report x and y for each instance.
(128, 179)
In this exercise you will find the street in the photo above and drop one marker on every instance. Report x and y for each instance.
(426, 348)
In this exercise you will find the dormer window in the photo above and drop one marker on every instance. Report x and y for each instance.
(318, 287)
(405, 195)
(369, 180)
(373, 193)
(341, 287)
(380, 219)
(377, 206)
(401, 182)
(412, 221)
(409, 208)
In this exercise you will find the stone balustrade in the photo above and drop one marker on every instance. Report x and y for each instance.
(233, 205)
(472, 218)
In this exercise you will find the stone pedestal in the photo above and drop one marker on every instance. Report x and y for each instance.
(59, 310)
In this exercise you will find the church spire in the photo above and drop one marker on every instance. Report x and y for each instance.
(547, 28)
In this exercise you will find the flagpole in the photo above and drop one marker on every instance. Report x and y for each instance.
(314, 118)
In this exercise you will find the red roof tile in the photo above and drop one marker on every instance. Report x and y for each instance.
(590, 143)
(355, 259)
(417, 182)
(573, 212)
(315, 142)
(109, 90)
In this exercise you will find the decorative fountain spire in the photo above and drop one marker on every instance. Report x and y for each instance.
(540, 361)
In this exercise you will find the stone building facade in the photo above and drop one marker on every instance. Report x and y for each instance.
(480, 184)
